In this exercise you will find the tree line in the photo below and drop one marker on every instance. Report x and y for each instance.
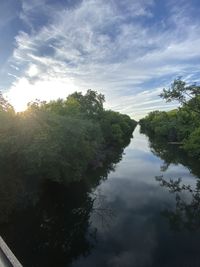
(182, 125)
(59, 139)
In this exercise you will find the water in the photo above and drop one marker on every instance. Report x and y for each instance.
(126, 219)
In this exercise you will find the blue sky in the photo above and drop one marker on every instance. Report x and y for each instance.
(126, 49)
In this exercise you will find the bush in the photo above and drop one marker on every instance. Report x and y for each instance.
(192, 144)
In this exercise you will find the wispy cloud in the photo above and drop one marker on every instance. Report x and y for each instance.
(116, 47)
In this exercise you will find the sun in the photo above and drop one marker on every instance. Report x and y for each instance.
(17, 95)
(23, 91)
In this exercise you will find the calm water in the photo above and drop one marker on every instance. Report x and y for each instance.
(126, 219)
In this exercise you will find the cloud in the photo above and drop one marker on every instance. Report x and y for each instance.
(117, 48)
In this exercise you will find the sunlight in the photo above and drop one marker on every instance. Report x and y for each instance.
(22, 92)
(32, 71)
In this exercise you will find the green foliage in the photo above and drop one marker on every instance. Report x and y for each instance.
(162, 124)
(192, 144)
(60, 139)
(57, 141)
(187, 96)
(116, 127)
(91, 104)
(180, 125)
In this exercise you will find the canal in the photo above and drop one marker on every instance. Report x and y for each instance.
(135, 213)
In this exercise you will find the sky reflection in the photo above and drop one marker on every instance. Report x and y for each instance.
(137, 234)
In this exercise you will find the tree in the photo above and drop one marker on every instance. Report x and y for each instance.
(91, 104)
(5, 106)
(187, 96)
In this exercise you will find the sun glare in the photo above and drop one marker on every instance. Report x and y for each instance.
(22, 92)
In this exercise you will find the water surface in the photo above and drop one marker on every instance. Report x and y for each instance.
(119, 221)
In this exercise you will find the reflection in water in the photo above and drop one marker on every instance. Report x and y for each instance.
(186, 213)
(52, 232)
(138, 236)
(173, 154)
(110, 222)
(102, 210)
(46, 223)
(55, 230)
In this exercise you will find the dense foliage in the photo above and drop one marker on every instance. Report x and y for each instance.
(181, 125)
(59, 139)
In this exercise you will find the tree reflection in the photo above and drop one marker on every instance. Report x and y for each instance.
(48, 224)
(54, 231)
(172, 154)
(186, 214)
(102, 210)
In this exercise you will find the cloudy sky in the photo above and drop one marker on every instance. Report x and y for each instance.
(126, 49)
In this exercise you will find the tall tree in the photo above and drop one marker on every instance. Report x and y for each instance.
(186, 95)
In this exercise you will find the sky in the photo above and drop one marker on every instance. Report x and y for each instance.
(129, 50)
